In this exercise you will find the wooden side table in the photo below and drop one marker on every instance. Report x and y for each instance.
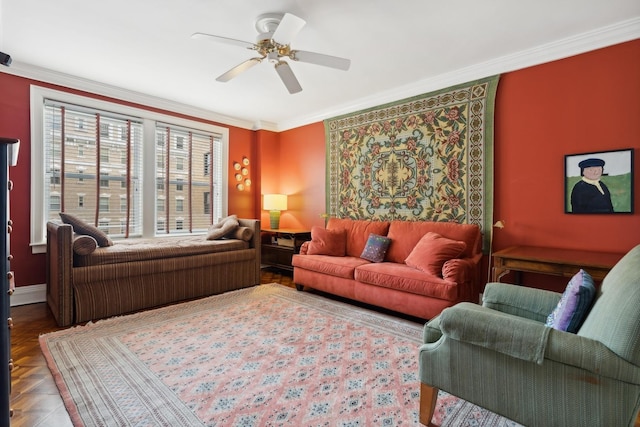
(279, 246)
(553, 261)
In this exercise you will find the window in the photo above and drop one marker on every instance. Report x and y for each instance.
(92, 128)
(206, 202)
(207, 164)
(54, 202)
(104, 129)
(104, 203)
(179, 205)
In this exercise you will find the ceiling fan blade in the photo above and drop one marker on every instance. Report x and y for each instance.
(321, 59)
(288, 78)
(238, 69)
(220, 39)
(289, 27)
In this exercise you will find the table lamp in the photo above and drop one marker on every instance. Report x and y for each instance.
(274, 203)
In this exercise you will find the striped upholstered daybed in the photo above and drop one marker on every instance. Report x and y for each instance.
(136, 274)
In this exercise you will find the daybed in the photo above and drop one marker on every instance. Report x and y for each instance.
(135, 274)
(426, 267)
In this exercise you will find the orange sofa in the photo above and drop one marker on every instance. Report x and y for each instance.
(394, 283)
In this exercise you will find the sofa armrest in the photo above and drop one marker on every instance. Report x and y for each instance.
(304, 248)
(256, 242)
(466, 273)
(59, 271)
(531, 303)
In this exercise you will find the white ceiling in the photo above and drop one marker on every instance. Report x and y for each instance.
(141, 50)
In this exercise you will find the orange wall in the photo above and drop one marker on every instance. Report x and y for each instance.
(14, 123)
(580, 104)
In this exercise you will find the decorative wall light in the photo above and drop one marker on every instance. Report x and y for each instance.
(242, 174)
(274, 203)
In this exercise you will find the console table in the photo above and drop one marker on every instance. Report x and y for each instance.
(557, 262)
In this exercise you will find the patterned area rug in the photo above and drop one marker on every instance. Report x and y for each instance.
(263, 356)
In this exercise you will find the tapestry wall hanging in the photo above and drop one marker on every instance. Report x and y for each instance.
(427, 158)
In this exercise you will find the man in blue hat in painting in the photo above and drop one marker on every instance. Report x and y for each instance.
(590, 195)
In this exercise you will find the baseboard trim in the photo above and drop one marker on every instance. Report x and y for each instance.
(31, 294)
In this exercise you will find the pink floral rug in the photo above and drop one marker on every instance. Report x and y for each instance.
(263, 356)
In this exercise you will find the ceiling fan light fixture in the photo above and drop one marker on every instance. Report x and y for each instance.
(276, 31)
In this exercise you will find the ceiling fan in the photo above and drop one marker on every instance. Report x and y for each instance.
(276, 31)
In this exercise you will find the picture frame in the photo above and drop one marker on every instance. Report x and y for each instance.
(599, 182)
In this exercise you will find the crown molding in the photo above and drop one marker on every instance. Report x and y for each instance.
(45, 75)
(601, 37)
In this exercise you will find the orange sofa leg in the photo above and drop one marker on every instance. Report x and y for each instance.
(428, 399)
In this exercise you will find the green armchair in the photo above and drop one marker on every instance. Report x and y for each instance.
(502, 357)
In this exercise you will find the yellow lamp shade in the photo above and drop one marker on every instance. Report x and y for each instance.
(275, 202)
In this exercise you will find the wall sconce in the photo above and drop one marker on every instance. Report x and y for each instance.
(242, 174)
(274, 203)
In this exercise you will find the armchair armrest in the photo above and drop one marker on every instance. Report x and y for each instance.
(531, 303)
(304, 248)
(511, 335)
(592, 356)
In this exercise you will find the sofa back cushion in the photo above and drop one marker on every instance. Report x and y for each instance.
(405, 235)
(357, 232)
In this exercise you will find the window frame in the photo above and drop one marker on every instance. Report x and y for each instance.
(150, 118)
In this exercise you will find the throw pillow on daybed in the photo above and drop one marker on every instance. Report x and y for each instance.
(223, 227)
(240, 233)
(81, 227)
(327, 242)
(376, 248)
(574, 304)
(84, 245)
(432, 251)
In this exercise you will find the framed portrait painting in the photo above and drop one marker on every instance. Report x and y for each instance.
(599, 182)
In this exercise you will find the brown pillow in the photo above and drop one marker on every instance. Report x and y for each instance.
(81, 227)
(327, 242)
(222, 228)
(83, 244)
(241, 233)
(432, 251)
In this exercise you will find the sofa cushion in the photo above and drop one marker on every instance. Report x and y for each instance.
(327, 242)
(574, 303)
(376, 248)
(405, 235)
(432, 251)
(143, 249)
(408, 279)
(82, 227)
(332, 265)
(357, 232)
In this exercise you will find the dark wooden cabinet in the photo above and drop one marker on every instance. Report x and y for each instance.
(8, 157)
(279, 246)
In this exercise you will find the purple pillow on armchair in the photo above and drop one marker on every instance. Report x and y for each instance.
(574, 304)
